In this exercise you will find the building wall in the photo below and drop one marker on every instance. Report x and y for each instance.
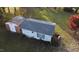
(18, 29)
(47, 38)
(36, 35)
(27, 33)
(12, 26)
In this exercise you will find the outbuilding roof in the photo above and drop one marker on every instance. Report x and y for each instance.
(17, 20)
(38, 26)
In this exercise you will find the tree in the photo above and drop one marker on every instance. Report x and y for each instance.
(2, 13)
(27, 11)
(15, 11)
(8, 10)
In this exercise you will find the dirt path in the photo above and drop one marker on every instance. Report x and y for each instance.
(70, 44)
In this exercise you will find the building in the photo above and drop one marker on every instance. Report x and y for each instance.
(14, 24)
(40, 30)
(32, 28)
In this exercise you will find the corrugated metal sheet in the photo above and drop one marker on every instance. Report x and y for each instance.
(34, 25)
(17, 20)
(38, 26)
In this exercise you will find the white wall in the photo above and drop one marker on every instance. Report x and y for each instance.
(27, 32)
(34, 35)
(12, 26)
(48, 38)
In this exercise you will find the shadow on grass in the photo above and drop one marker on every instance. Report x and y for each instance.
(12, 42)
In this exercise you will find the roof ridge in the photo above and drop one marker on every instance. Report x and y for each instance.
(44, 22)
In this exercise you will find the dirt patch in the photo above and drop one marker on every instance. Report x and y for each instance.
(73, 35)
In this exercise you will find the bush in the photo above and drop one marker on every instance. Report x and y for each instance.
(77, 22)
